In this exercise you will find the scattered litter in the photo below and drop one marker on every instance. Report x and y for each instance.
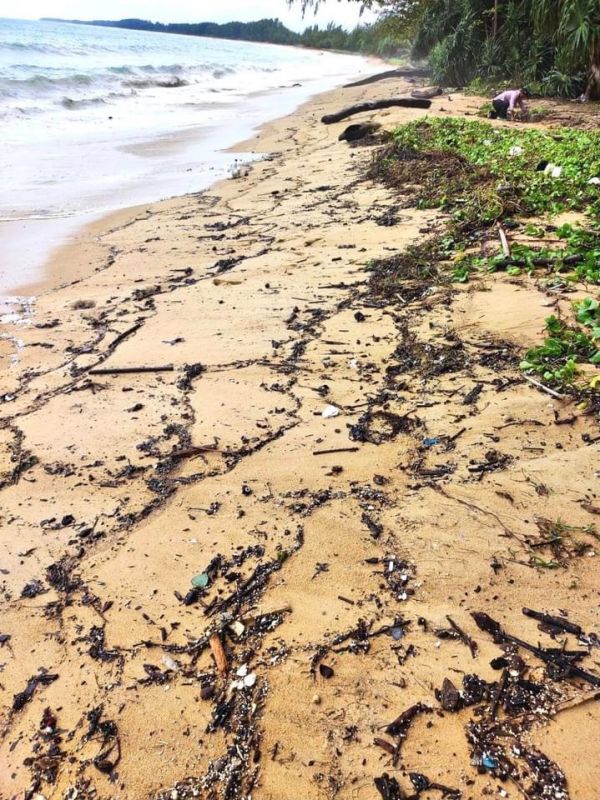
(330, 411)
(553, 170)
(431, 441)
(238, 169)
(237, 627)
(516, 150)
(200, 581)
(248, 679)
(170, 663)
(489, 762)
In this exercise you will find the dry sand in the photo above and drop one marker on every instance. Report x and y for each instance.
(306, 545)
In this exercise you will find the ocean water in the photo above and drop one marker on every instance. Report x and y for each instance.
(94, 119)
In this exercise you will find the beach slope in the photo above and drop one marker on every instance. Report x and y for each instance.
(249, 505)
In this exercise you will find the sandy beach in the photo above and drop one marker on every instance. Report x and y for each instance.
(231, 541)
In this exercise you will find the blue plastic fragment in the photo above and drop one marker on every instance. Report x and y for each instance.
(431, 442)
(489, 762)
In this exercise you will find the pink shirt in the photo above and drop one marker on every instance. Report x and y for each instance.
(512, 97)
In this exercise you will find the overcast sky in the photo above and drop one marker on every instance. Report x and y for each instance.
(344, 12)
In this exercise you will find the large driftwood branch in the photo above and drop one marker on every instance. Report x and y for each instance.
(390, 73)
(407, 102)
(434, 91)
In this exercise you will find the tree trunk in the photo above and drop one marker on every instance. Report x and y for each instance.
(592, 91)
(495, 24)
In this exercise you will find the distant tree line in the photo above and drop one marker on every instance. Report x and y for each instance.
(377, 39)
(264, 30)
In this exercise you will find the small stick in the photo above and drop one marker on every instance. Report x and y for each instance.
(504, 241)
(544, 388)
(196, 450)
(590, 508)
(128, 370)
(267, 612)
(499, 692)
(486, 623)
(220, 656)
(554, 622)
(399, 727)
(125, 334)
(465, 638)
(387, 746)
(336, 450)
(455, 436)
(346, 600)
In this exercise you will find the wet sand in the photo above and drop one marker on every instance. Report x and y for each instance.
(334, 548)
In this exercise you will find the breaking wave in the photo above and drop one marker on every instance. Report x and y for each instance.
(70, 90)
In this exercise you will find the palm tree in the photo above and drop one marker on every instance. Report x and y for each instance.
(575, 29)
(571, 26)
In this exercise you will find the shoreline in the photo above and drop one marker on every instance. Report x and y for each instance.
(219, 538)
(84, 235)
(196, 161)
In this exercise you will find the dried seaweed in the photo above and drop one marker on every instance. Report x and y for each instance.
(43, 678)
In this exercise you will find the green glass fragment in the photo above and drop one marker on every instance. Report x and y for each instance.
(201, 580)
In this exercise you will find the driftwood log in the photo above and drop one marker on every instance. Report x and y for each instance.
(427, 94)
(406, 102)
(390, 73)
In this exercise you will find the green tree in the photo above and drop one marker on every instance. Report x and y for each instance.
(555, 42)
(574, 26)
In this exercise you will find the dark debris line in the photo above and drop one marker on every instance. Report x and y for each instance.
(499, 712)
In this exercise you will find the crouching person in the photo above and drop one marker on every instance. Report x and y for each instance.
(506, 103)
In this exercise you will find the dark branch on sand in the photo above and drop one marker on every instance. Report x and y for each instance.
(405, 102)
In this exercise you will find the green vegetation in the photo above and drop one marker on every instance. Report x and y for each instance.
(379, 39)
(563, 542)
(482, 176)
(553, 45)
(509, 163)
(556, 360)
